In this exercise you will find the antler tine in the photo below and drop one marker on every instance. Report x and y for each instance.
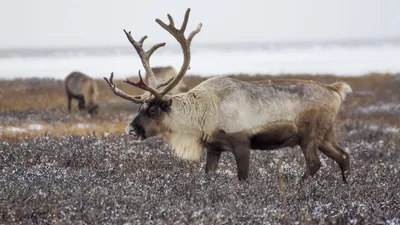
(154, 48)
(118, 92)
(141, 40)
(185, 45)
(171, 20)
(142, 85)
(164, 83)
(193, 33)
(185, 20)
(145, 56)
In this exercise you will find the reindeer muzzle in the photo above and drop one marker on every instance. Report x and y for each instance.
(136, 132)
(93, 109)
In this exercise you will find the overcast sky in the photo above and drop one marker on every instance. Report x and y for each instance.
(58, 23)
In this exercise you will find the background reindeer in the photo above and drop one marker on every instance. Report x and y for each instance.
(164, 74)
(225, 114)
(83, 88)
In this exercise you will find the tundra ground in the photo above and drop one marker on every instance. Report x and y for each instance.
(62, 168)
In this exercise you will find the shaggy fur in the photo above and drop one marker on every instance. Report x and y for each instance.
(231, 105)
(263, 115)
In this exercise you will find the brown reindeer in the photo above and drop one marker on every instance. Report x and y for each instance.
(226, 114)
(83, 88)
(164, 74)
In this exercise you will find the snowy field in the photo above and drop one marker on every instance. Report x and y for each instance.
(109, 179)
(207, 60)
(113, 180)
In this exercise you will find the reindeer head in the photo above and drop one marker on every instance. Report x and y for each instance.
(93, 109)
(155, 104)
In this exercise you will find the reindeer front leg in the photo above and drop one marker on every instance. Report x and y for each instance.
(235, 143)
(242, 157)
(215, 146)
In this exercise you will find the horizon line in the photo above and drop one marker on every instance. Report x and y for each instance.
(214, 43)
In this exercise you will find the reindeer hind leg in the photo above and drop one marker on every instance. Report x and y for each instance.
(331, 149)
(313, 164)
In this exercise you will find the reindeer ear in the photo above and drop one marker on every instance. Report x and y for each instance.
(165, 105)
(169, 102)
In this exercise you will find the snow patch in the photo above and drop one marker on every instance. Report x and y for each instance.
(12, 129)
(15, 129)
(35, 127)
(84, 125)
(384, 129)
(379, 108)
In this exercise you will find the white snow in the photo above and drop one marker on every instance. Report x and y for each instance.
(12, 129)
(84, 125)
(380, 107)
(19, 129)
(35, 126)
(211, 61)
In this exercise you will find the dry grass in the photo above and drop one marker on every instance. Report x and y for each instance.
(61, 129)
(24, 95)
(281, 182)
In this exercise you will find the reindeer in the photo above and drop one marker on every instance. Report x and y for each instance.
(83, 88)
(226, 114)
(164, 74)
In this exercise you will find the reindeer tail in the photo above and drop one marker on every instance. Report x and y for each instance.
(342, 88)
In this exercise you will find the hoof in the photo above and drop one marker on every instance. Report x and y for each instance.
(345, 175)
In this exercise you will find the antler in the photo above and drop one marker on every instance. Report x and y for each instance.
(142, 85)
(185, 45)
(136, 99)
(145, 57)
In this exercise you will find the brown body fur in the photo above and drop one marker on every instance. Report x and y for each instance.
(311, 130)
(83, 88)
(306, 133)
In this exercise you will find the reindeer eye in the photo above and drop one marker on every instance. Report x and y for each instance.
(152, 111)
